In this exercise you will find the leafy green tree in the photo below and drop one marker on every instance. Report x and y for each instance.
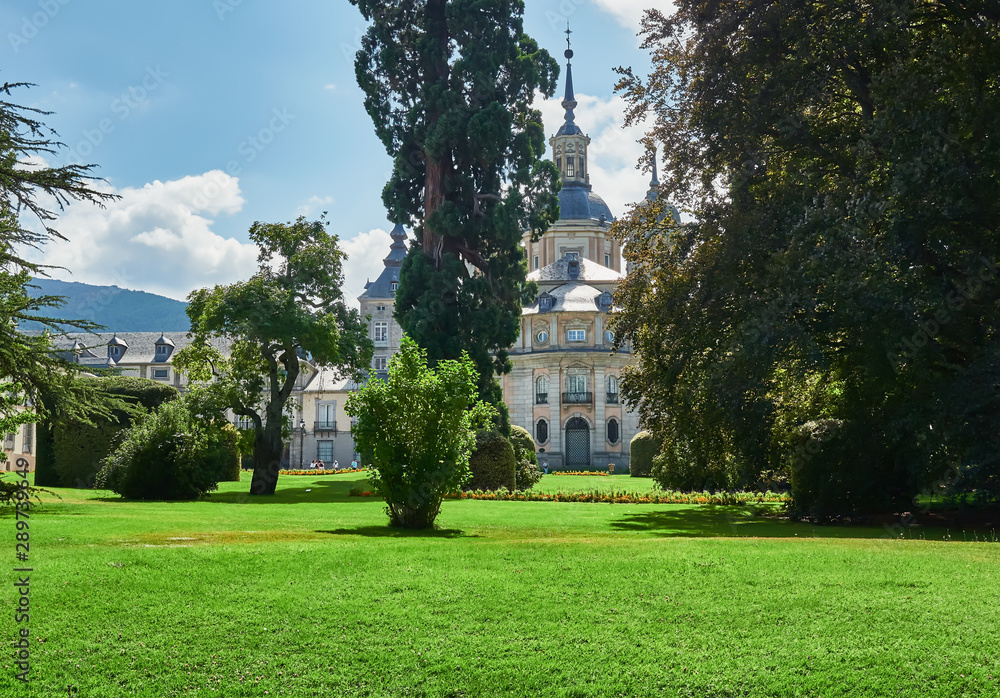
(31, 194)
(181, 450)
(841, 166)
(449, 86)
(291, 308)
(417, 430)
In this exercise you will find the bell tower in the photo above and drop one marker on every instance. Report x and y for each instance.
(569, 145)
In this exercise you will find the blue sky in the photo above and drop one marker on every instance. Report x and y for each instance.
(207, 115)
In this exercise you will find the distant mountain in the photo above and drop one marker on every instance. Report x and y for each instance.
(118, 309)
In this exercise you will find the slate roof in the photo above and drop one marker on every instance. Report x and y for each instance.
(568, 298)
(382, 286)
(91, 348)
(577, 201)
(589, 271)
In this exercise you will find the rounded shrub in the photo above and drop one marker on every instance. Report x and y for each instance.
(168, 454)
(642, 450)
(492, 463)
(526, 472)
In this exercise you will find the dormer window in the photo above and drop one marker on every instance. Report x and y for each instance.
(574, 269)
(393, 286)
(162, 350)
(604, 301)
(545, 302)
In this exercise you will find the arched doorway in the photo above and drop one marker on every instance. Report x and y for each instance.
(577, 443)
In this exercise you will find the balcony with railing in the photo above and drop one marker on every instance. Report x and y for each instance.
(578, 398)
(541, 398)
(326, 426)
(612, 399)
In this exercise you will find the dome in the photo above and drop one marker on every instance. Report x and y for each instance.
(579, 202)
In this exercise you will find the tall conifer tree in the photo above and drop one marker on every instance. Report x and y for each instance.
(449, 86)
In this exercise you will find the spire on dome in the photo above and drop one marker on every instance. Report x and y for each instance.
(654, 182)
(569, 101)
(397, 251)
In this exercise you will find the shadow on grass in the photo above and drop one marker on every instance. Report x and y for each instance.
(734, 521)
(389, 532)
(324, 491)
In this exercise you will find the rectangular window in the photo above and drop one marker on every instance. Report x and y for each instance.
(570, 167)
(607, 260)
(8, 442)
(161, 374)
(379, 363)
(326, 416)
(576, 335)
(381, 333)
(536, 261)
(573, 256)
(28, 442)
(577, 384)
(324, 451)
(380, 308)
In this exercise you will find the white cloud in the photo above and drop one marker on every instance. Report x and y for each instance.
(313, 204)
(157, 238)
(613, 151)
(629, 12)
(365, 252)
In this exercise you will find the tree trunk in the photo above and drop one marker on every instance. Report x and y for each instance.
(266, 463)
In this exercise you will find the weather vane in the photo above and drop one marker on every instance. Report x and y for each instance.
(569, 49)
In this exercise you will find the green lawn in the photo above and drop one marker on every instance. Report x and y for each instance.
(309, 594)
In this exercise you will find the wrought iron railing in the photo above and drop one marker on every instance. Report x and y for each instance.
(541, 398)
(612, 399)
(578, 398)
(325, 426)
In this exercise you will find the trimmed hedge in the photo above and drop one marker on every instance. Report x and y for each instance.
(642, 450)
(79, 448)
(493, 463)
(526, 472)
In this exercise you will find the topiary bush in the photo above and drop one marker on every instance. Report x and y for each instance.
(526, 472)
(642, 449)
(493, 464)
(169, 454)
(78, 447)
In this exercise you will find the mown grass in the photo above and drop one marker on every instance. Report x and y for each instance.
(308, 593)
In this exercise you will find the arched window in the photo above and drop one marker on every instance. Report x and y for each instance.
(614, 431)
(542, 390)
(541, 431)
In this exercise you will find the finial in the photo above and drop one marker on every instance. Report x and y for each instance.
(569, 48)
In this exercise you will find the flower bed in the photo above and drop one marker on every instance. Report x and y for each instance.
(601, 473)
(342, 471)
(726, 498)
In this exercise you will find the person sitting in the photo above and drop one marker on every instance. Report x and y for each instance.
(312, 465)
(320, 464)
